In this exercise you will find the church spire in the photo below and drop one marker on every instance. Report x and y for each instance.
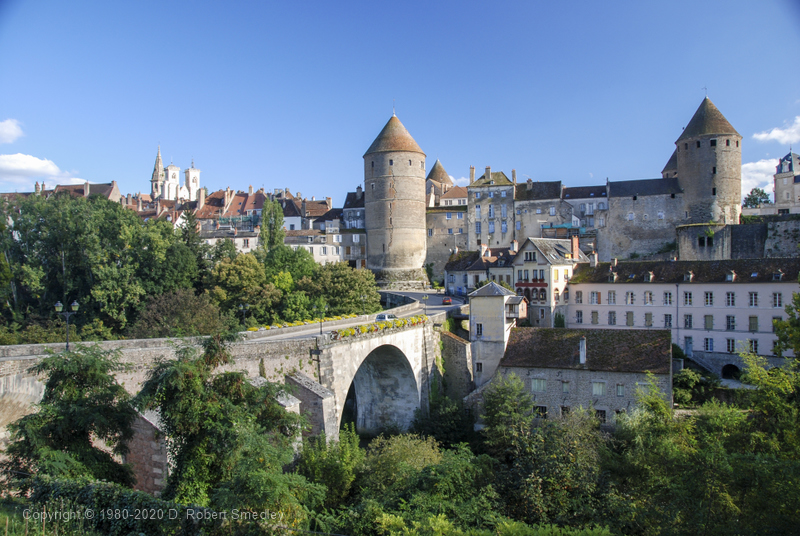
(157, 181)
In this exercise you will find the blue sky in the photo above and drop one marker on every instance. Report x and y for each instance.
(291, 94)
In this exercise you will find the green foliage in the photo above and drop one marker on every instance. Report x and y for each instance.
(243, 281)
(333, 464)
(756, 197)
(342, 288)
(177, 314)
(272, 232)
(508, 414)
(447, 422)
(559, 321)
(668, 247)
(788, 331)
(82, 403)
(689, 387)
(209, 419)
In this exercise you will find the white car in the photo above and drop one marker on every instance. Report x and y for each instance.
(385, 316)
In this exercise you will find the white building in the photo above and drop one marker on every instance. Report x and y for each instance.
(713, 308)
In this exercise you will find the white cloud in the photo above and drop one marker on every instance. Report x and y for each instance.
(790, 134)
(10, 131)
(463, 181)
(18, 172)
(758, 175)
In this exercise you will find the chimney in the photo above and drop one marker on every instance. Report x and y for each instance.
(514, 246)
(328, 202)
(303, 208)
(614, 262)
(37, 189)
(298, 195)
(201, 198)
(128, 199)
(530, 184)
(583, 351)
(576, 249)
(86, 189)
(593, 259)
(250, 190)
(139, 203)
(514, 176)
(313, 198)
(488, 175)
(471, 174)
(359, 192)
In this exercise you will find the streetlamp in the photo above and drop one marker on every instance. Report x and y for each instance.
(243, 307)
(321, 318)
(66, 315)
(425, 302)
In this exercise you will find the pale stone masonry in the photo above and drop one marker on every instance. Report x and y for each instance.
(714, 309)
(565, 369)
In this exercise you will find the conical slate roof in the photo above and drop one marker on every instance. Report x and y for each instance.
(439, 175)
(707, 120)
(672, 163)
(394, 137)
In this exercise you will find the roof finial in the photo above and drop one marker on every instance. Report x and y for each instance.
(192, 162)
(704, 88)
(393, 114)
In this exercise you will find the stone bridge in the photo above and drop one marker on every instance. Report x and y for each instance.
(386, 374)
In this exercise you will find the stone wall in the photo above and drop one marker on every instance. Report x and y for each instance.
(457, 358)
(317, 403)
(783, 238)
(148, 456)
(647, 233)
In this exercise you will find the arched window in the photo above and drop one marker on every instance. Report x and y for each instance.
(556, 296)
(542, 295)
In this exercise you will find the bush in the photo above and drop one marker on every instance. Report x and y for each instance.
(177, 314)
(334, 464)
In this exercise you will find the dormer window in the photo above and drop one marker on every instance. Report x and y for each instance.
(612, 277)
(754, 275)
(777, 276)
(648, 277)
(730, 276)
(688, 276)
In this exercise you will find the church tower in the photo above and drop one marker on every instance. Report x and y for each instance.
(394, 203)
(709, 167)
(157, 181)
(192, 181)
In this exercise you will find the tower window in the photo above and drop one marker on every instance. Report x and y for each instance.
(391, 162)
(422, 165)
(727, 143)
(713, 143)
(698, 144)
(737, 143)
(373, 163)
(373, 185)
(634, 198)
(409, 162)
(714, 170)
(714, 190)
(672, 196)
(685, 146)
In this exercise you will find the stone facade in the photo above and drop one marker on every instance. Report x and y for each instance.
(447, 233)
(317, 403)
(458, 369)
(148, 455)
(394, 203)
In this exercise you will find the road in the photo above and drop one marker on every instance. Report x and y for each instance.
(434, 306)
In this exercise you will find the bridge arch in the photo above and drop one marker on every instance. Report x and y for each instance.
(383, 393)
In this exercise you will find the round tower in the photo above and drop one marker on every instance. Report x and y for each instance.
(709, 167)
(394, 204)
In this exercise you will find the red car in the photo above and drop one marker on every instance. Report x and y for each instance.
(447, 300)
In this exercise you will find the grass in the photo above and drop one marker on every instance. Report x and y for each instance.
(13, 522)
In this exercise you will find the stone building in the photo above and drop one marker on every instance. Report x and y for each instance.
(566, 369)
(490, 217)
(437, 183)
(543, 268)
(467, 269)
(786, 189)
(394, 203)
(494, 310)
(714, 309)
(446, 221)
(165, 182)
(541, 211)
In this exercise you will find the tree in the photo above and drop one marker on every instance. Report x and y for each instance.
(177, 314)
(756, 197)
(272, 232)
(82, 404)
(508, 413)
(342, 288)
(333, 463)
(300, 263)
(210, 421)
(243, 281)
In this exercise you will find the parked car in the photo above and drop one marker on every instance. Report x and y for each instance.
(447, 300)
(385, 316)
